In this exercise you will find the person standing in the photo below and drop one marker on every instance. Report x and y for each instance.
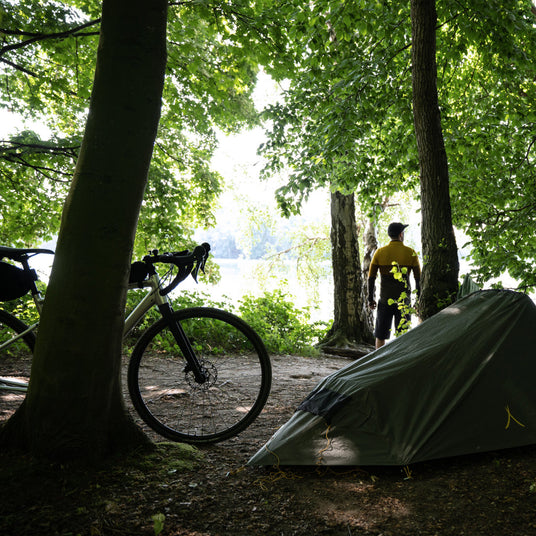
(398, 256)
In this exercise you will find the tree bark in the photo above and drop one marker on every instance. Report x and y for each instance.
(74, 407)
(370, 245)
(351, 325)
(439, 281)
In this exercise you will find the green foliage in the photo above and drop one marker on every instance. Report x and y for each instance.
(158, 523)
(181, 301)
(346, 119)
(30, 201)
(283, 328)
(23, 308)
(47, 71)
(349, 97)
(200, 299)
(47, 68)
(260, 234)
(308, 255)
(404, 300)
(489, 123)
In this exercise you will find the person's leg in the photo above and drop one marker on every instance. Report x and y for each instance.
(384, 318)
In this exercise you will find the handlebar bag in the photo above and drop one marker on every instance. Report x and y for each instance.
(14, 282)
(138, 273)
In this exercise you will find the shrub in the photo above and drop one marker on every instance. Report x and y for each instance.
(284, 328)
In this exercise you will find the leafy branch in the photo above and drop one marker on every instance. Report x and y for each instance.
(499, 215)
(36, 37)
(308, 243)
(17, 153)
(6, 150)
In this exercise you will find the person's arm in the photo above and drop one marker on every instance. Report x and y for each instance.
(371, 292)
(417, 276)
(371, 284)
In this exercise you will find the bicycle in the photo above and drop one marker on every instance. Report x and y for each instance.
(197, 375)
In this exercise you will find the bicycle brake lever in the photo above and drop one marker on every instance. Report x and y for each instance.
(201, 254)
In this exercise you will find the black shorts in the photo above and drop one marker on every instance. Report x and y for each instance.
(384, 318)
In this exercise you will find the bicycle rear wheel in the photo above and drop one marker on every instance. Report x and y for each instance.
(15, 363)
(166, 395)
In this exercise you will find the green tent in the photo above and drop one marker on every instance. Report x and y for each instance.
(461, 382)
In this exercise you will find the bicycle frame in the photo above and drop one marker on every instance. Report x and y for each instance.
(188, 263)
(150, 299)
(19, 336)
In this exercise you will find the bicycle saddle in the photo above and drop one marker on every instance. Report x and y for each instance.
(17, 254)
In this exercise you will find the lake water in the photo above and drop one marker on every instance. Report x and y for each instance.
(240, 277)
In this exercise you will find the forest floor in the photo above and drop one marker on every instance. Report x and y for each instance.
(210, 491)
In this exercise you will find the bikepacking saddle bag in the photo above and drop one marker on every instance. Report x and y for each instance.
(14, 282)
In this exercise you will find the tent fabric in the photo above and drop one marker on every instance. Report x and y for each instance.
(467, 287)
(323, 402)
(461, 382)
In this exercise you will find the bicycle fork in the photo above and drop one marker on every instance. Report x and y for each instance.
(182, 340)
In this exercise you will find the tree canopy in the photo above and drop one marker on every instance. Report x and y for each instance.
(46, 68)
(346, 116)
(491, 133)
(345, 121)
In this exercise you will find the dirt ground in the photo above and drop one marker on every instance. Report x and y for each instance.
(210, 491)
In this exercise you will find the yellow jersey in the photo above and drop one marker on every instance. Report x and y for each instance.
(382, 261)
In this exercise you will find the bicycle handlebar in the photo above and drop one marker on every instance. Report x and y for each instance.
(188, 262)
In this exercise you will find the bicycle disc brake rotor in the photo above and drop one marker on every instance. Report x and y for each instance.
(210, 372)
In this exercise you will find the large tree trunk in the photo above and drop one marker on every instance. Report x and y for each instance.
(74, 407)
(351, 326)
(439, 281)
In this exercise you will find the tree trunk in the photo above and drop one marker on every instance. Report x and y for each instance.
(351, 326)
(439, 281)
(74, 407)
(370, 245)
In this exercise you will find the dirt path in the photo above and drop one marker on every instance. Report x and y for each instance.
(293, 380)
(492, 494)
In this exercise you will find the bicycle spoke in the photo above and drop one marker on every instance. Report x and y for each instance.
(236, 386)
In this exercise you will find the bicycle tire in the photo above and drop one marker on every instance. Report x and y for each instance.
(15, 361)
(178, 408)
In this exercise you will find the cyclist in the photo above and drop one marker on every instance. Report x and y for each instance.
(391, 288)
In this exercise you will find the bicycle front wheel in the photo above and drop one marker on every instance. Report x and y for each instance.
(15, 363)
(234, 359)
